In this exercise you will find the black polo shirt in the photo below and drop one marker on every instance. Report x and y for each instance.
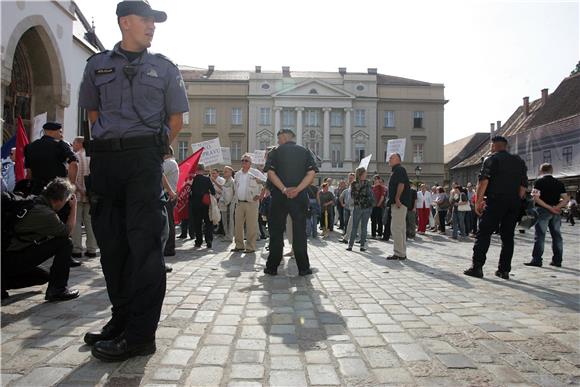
(550, 188)
(506, 173)
(399, 176)
(291, 163)
(47, 158)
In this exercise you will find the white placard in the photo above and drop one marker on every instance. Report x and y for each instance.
(259, 157)
(257, 174)
(212, 153)
(365, 162)
(226, 156)
(396, 146)
(38, 122)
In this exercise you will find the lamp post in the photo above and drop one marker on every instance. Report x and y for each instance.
(418, 170)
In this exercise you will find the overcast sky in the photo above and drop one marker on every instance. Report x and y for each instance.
(489, 54)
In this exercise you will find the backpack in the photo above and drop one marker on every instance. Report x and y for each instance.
(14, 208)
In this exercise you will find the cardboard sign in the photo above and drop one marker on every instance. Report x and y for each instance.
(37, 124)
(212, 153)
(365, 162)
(396, 146)
(258, 174)
(259, 157)
(227, 156)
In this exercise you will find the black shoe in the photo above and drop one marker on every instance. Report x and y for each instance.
(74, 263)
(343, 241)
(555, 264)
(395, 258)
(64, 295)
(169, 253)
(76, 255)
(182, 236)
(5, 294)
(108, 332)
(532, 263)
(91, 255)
(237, 250)
(385, 239)
(209, 245)
(476, 272)
(270, 271)
(120, 350)
(349, 248)
(168, 269)
(197, 245)
(502, 274)
(363, 249)
(305, 272)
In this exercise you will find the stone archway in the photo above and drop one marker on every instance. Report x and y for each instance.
(37, 81)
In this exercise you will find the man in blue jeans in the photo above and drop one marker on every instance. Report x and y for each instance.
(550, 197)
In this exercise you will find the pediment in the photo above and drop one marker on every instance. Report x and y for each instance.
(314, 88)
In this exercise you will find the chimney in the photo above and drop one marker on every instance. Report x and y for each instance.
(342, 70)
(372, 70)
(286, 71)
(526, 106)
(210, 69)
(498, 125)
(491, 129)
(258, 69)
(544, 96)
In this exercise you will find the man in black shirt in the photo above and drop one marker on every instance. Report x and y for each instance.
(399, 201)
(503, 181)
(199, 208)
(291, 169)
(550, 197)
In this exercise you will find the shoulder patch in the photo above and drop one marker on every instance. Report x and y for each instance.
(165, 58)
(98, 53)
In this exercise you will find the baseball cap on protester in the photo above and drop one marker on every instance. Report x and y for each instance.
(141, 8)
(499, 139)
(52, 126)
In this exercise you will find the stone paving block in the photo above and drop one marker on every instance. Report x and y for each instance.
(287, 378)
(94, 371)
(178, 357)
(393, 376)
(205, 376)
(322, 375)
(286, 363)
(505, 374)
(395, 337)
(317, 357)
(245, 356)
(213, 355)
(455, 360)
(186, 342)
(381, 357)
(353, 367)
(73, 355)
(44, 376)
(251, 344)
(410, 352)
(344, 350)
(438, 346)
(218, 339)
(170, 374)
(247, 371)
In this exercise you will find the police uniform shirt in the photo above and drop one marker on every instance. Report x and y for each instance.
(506, 173)
(46, 157)
(291, 162)
(551, 189)
(157, 91)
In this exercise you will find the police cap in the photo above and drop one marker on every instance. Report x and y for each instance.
(495, 139)
(141, 8)
(285, 131)
(52, 126)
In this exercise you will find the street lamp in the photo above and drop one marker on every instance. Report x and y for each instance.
(417, 174)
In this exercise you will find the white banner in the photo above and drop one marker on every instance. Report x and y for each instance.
(212, 154)
(258, 174)
(396, 146)
(37, 124)
(259, 157)
(226, 156)
(365, 162)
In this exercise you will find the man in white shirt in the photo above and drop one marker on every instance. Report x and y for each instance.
(171, 176)
(246, 195)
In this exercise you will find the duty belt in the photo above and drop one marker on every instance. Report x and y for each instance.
(126, 143)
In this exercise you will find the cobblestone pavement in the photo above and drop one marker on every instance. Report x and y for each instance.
(359, 320)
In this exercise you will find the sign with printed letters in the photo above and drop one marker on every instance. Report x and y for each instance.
(396, 145)
(259, 157)
(226, 156)
(212, 153)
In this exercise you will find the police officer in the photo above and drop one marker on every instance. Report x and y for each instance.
(503, 181)
(291, 169)
(135, 102)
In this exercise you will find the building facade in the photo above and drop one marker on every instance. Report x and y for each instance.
(45, 45)
(340, 116)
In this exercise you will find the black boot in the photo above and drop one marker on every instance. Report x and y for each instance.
(120, 350)
(109, 332)
(474, 271)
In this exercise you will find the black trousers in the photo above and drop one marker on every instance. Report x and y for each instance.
(377, 221)
(199, 223)
(340, 210)
(281, 207)
(128, 220)
(19, 268)
(442, 214)
(387, 223)
(170, 244)
(502, 212)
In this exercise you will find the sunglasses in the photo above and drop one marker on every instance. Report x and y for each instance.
(245, 161)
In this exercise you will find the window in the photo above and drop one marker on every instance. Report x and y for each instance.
(359, 151)
(548, 156)
(182, 148)
(209, 118)
(567, 156)
(336, 118)
(236, 116)
(264, 116)
(417, 153)
(312, 118)
(418, 120)
(186, 118)
(236, 150)
(389, 119)
(359, 117)
(335, 153)
(288, 119)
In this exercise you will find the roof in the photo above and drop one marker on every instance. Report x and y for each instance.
(563, 102)
(458, 150)
(383, 79)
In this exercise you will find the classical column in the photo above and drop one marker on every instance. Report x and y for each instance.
(326, 138)
(347, 135)
(277, 112)
(299, 111)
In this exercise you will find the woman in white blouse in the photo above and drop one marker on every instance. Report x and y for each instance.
(424, 201)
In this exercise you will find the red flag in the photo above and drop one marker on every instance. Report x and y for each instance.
(187, 169)
(21, 142)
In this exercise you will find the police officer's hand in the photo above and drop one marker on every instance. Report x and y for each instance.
(291, 192)
(479, 207)
(555, 210)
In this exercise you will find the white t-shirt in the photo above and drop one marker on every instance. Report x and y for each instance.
(242, 182)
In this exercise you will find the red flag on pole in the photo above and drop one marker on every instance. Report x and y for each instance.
(187, 169)
(21, 142)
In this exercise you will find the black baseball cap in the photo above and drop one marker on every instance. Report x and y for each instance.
(499, 139)
(141, 8)
(52, 126)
